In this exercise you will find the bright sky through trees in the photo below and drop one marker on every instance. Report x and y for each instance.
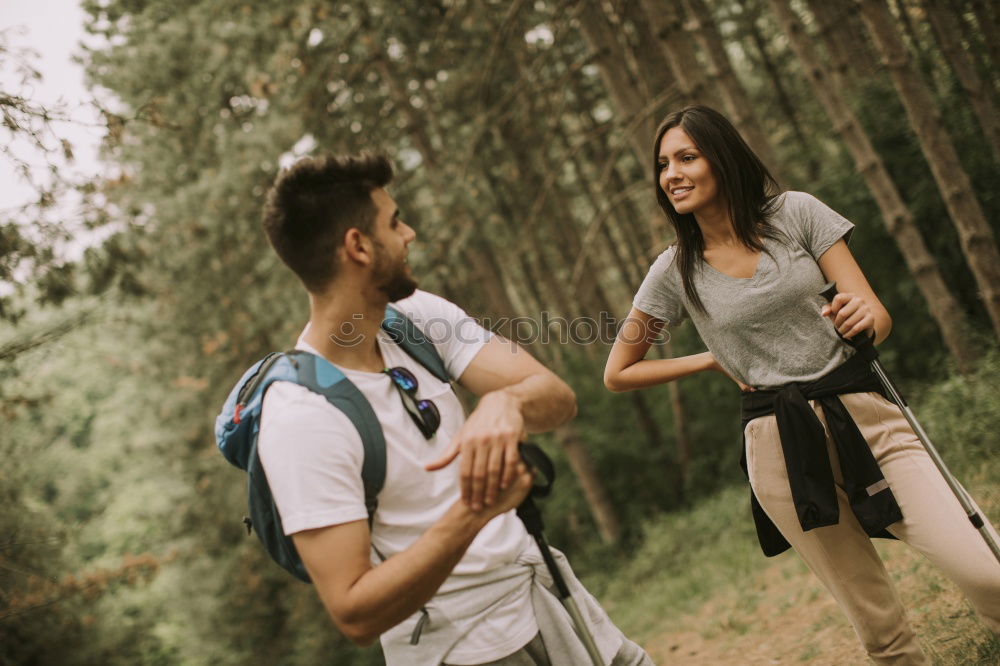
(52, 29)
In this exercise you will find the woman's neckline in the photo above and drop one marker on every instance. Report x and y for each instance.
(756, 269)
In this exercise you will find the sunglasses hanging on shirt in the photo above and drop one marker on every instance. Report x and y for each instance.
(423, 412)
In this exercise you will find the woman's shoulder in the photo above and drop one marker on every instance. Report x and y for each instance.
(792, 203)
(809, 221)
(666, 261)
(660, 294)
(790, 210)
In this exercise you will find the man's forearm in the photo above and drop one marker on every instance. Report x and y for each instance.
(390, 592)
(544, 400)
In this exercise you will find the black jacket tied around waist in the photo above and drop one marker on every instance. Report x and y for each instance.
(803, 443)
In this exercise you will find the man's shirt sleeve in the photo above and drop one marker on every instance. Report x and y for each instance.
(312, 456)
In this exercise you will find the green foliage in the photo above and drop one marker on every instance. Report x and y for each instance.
(961, 414)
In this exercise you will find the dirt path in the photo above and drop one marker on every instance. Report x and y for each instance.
(784, 616)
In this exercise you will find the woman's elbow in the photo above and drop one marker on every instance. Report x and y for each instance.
(613, 382)
(883, 331)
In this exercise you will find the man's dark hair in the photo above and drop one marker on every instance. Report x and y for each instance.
(314, 202)
(744, 182)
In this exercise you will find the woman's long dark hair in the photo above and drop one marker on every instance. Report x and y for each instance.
(743, 181)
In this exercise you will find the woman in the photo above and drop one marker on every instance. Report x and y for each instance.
(747, 268)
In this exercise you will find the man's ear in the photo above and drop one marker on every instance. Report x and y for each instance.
(358, 247)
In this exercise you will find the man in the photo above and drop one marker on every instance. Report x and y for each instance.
(446, 574)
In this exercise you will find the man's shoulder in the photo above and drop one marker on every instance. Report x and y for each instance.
(423, 304)
(291, 406)
(445, 324)
(434, 316)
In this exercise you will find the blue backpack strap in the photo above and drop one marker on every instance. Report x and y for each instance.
(322, 377)
(406, 334)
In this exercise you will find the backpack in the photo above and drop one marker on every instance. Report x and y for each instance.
(238, 425)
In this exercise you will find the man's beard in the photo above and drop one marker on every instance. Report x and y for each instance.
(390, 277)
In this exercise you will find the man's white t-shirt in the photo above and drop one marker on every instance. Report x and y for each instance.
(312, 455)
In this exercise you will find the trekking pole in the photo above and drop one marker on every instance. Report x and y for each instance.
(865, 347)
(529, 514)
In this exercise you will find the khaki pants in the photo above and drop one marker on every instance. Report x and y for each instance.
(842, 556)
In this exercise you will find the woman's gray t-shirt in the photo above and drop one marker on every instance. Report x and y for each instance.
(765, 330)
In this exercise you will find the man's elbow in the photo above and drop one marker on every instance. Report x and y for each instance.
(358, 632)
(362, 638)
(567, 401)
(572, 409)
(354, 623)
(359, 636)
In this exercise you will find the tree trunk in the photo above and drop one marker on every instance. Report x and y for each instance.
(654, 71)
(627, 270)
(509, 216)
(949, 38)
(589, 291)
(988, 22)
(641, 239)
(623, 96)
(736, 102)
(666, 20)
(835, 23)
(595, 192)
(827, 87)
(978, 242)
(653, 68)
(776, 77)
(601, 506)
(622, 89)
(915, 40)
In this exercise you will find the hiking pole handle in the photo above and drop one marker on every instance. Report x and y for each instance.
(862, 342)
(865, 346)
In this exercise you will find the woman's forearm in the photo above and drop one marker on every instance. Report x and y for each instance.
(883, 324)
(650, 372)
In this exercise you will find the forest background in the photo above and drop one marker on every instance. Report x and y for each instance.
(521, 132)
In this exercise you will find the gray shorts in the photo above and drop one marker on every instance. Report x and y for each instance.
(534, 654)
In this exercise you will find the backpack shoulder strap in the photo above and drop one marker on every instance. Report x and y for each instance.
(406, 334)
(322, 377)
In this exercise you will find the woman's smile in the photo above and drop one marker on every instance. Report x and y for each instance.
(680, 193)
